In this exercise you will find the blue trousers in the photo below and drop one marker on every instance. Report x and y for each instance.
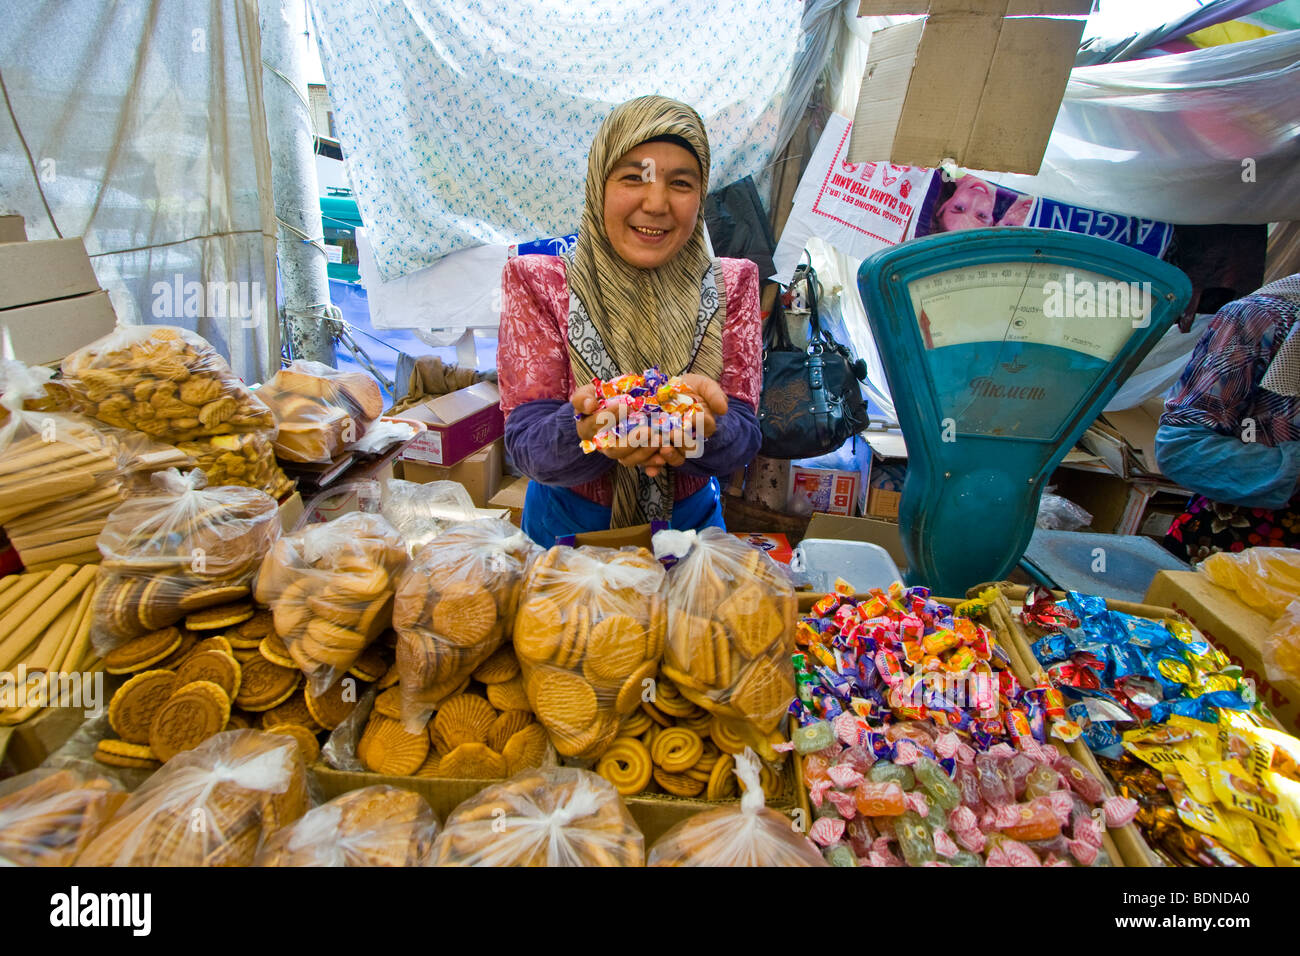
(551, 512)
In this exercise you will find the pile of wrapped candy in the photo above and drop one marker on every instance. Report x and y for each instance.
(945, 766)
(1177, 727)
(650, 400)
(1115, 668)
(903, 655)
(1225, 794)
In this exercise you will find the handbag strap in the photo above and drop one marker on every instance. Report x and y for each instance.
(776, 334)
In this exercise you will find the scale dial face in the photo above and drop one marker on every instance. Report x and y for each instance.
(1013, 346)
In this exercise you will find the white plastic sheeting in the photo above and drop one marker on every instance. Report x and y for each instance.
(1196, 138)
(140, 126)
(467, 122)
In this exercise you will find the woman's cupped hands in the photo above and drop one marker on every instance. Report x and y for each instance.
(646, 447)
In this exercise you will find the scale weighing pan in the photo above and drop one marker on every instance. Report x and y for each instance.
(1001, 346)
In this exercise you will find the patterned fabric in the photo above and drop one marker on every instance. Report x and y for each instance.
(468, 122)
(1207, 527)
(626, 319)
(1219, 389)
(533, 360)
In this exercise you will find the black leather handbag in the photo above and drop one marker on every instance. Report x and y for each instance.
(811, 402)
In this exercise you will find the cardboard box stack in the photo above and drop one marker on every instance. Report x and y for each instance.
(50, 301)
(463, 443)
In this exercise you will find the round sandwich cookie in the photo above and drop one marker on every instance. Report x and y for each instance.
(142, 652)
(192, 714)
(132, 709)
(264, 685)
(218, 618)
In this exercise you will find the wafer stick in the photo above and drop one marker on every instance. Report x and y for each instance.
(52, 651)
(102, 500)
(52, 456)
(79, 654)
(25, 542)
(88, 557)
(9, 718)
(23, 445)
(64, 549)
(28, 485)
(18, 638)
(21, 501)
(24, 586)
(33, 597)
(7, 582)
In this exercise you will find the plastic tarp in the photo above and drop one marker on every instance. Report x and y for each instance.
(140, 127)
(1196, 138)
(468, 122)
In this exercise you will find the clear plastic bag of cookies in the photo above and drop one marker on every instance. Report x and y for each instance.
(246, 458)
(731, 620)
(210, 806)
(740, 834)
(45, 456)
(589, 634)
(455, 605)
(330, 589)
(167, 382)
(177, 551)
(559, 816)
(318, 410)
(373, 826)
(49, 815)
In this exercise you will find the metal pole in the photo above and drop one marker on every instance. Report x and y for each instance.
(293, 180)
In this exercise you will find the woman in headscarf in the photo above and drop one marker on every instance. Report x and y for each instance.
(638, 290)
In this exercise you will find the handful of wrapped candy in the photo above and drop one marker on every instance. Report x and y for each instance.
(945, 766)
(1115, 668)
(649, 400)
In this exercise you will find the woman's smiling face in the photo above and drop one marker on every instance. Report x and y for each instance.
(652, 201)
(971, 206)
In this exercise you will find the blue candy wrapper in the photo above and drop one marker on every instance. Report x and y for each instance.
(1051, 649)
(1102, 737)
(1084, 606)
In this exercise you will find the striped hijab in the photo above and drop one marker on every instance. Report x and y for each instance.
(667, 316)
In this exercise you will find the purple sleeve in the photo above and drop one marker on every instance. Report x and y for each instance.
(542, 438)
(733, 444)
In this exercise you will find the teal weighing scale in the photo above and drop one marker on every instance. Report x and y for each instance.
(1001, 346)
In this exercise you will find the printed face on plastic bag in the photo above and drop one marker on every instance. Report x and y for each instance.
(590, 634)
(555, 817)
